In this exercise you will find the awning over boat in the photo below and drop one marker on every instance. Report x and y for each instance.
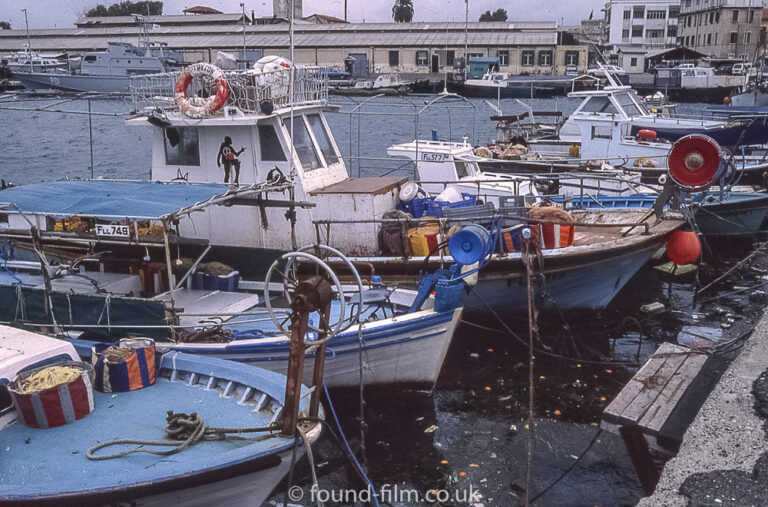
(116, 199)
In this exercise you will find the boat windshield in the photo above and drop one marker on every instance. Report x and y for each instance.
(630, 106)
(599, 105)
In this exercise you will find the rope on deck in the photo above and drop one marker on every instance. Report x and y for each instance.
(186, 430)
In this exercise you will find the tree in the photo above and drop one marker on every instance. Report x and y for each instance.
(497, 15)
(126, 8)
(4, 25)
(402, 11)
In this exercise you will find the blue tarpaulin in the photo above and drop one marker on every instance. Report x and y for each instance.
(140, 199)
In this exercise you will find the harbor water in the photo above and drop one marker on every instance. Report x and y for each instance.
(471, 432)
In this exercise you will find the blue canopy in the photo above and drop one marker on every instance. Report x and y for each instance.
(96, 198)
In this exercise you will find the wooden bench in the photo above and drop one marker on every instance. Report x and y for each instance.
(659, 403)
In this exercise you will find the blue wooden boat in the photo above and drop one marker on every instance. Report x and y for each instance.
(715, 213)
(50, 466)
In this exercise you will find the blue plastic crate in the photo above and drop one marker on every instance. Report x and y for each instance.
(448, 295)
(416, 207)
(435, 208)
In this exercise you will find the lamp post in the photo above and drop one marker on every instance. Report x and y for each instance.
(245, 58)
(466, 39)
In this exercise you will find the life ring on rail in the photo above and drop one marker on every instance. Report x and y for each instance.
(211, 104)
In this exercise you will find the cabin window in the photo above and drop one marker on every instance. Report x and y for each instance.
(394, 58)
(181, 146)
(599, 105)
(527, 58)
(601, 132)
(303, 145)
(462, 171)
(90, 58)
(323, 139)
(269, 144)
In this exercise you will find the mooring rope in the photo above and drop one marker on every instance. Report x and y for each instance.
(186, 430)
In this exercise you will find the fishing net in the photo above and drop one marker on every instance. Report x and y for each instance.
(47, 378)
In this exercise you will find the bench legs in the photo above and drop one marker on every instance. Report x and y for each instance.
(637, 448)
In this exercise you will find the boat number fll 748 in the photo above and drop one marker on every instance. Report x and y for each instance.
(433, 157)
(119, 231)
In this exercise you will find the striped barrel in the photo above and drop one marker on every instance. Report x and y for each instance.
(135, 371)
(58, 405)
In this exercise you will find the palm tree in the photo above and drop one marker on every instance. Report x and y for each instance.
(402, 11)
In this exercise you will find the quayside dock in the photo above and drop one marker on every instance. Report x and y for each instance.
(723, 459)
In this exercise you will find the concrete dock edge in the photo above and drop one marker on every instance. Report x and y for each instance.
(726, 434)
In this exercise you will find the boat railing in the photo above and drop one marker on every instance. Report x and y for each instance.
(247, 88)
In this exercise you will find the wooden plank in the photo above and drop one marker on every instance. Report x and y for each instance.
(653, 386)
(374, 186)
(659, 411)
(640, 455)
(637, 383)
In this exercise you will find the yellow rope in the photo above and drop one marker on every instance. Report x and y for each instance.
(47, 378)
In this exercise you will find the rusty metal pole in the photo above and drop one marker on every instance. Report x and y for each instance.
(295, 372)
(317, 377)
(309, 296)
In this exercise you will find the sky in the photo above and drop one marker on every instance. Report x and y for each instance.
(63, 13)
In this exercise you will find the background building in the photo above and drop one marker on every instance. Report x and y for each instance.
(721, 28)
(533, 47)
(633, 27)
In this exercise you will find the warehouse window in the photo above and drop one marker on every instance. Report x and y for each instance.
(571, 57)
(627, 14)
(637, 31)
(735, 15)
(527, 58)
(657, 14)
(394, 58)
(450, 58)
(625, 34)
(734, 37)
(422, 57)
(638, 11)
(654, 34)
(633, 61)
(751, 15)
(181, 146)
(672, 31)
(674, 11)
(503, 57)
(747, 37)
(545, 58)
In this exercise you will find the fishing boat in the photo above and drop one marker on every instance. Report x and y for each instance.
(52, 463)
(495, 84)
(386, 84)
(34, 61)
(112, 256)
(715, 213)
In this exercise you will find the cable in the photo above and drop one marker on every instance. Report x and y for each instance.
(568, 470)
(349, 450)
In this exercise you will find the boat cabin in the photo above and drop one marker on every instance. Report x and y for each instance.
(263, 135)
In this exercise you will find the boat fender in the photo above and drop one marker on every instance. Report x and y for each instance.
(646, 135)
(211, 104)
(683, 247)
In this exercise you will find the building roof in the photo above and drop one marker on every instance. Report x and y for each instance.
(678, 53)
(322, 18)
(214, 36)
(200, 9)
(174, 19)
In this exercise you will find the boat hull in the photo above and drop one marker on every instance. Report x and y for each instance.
(74, 82)
(510, 92)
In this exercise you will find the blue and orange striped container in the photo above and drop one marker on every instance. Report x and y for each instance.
(135, 371)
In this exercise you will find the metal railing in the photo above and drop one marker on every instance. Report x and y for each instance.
(247, 89)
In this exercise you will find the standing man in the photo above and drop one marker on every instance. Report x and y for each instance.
(228, 156)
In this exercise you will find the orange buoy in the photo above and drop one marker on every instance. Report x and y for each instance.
(727, 101)
(683, 247)
(646, 135)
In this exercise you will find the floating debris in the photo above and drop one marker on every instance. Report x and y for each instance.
(652, 308)
(431, 429)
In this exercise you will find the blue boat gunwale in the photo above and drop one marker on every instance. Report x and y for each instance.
(232, 463)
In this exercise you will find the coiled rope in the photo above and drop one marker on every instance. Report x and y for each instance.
(186, 430)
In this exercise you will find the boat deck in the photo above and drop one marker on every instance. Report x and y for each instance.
(53, 461)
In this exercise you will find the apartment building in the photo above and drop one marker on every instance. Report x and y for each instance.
(721, 28)
(633, 27)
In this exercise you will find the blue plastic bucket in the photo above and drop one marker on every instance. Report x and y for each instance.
(449, 295)
(470, 244)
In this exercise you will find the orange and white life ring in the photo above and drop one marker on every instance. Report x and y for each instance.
(209, 105)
